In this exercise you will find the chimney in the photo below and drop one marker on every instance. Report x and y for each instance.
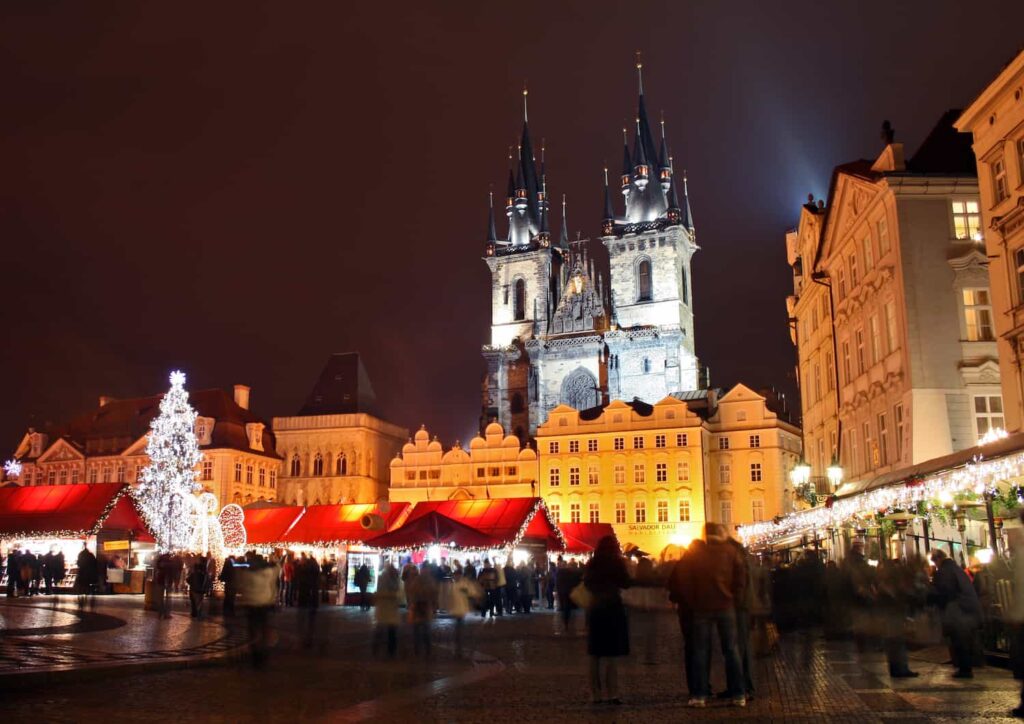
(105, 399)
(242, 396)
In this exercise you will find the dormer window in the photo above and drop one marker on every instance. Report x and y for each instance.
(204, 430)
(255, 432)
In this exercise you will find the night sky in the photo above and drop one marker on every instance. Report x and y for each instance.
(241, 189)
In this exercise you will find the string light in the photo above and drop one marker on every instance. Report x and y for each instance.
(84, 532)
(12, 468)
(232, 526)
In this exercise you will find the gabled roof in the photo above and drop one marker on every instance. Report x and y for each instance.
(945, 150)
(434, 528)
(343, 388)
(341, 524)
(69, 511)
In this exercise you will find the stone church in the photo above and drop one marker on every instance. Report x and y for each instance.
(580, 326)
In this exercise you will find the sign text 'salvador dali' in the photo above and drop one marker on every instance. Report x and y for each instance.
(650, 527)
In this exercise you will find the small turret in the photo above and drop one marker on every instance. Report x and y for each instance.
(641, 170)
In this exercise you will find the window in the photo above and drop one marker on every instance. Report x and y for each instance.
(685, 285)
(869, 254)
(683, 471)
(620, 443)
(875, 330)
(516, 405)
(645, 366)
(639, 512)
(554, 477)
(755, 441)
(201, 431)
(511, 471)
(726, 507)
(883, 439)
(661, 472)
(592, 445)
(988, 413)
(643, 281)
(519, 301)
(1019, 258)
(724, 474)
(556, 512)
(684, 511)
(318, 465)
(574, 512)
(978, 313)
(1020, 157)
(410, 474)
(574, 476)
(817, 381)
(620, 511)
(620, 474)
(494, 471)
(574, 446)
(262, 478)
(847, 376)
(897, 416)
(553, 447)
(593, 475)
(594, 513)
(295, 471)
(861, 360)
(341, 464)
(92, 475)
(882, 227)
(662, 511)
(63, 476)
(74, 476)
(891, 338)
(481, 472)
(723, 443)
(757, 510)
(207, 470)
(238, 470)
(638, 443)
(854, 278)
(830, 372)
(120, 472)
(741, 416)
(840, 283)
(639, 473)
(755, 472)
(434, 474)
(106, 475)
(869, 453)
(660, 441)
(248, 474)
(681, 439)
(999, 183)
(273, 479)
(966, 220)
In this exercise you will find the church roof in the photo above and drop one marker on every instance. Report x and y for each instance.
(343, 388)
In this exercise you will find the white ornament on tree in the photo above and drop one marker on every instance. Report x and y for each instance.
(168, 484)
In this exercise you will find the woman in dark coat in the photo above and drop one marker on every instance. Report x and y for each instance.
(607, 628)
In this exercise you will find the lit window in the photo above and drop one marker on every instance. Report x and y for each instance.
(988, 413)
(757, 510)
(262, 478)
(207, 470)
(620, 474)
(594, 512)
(555, 510)
(891, 335)
(978, 314)
(554, 477)
(726, 507)
(574, 512)
(882, 226)
(681, 439)
(296, 469)
(248, 474)
(661, 472)
(593, 475)
(659, 441)
(966, 220)
(638, 443)
(620, 443)
(662, 511)
(620, 512)
(553, 447)
(755, 441)
(574, 476)
(684, 511)
(273, 478)
(869, 254)
(574, 446)
(643, 281)
(883, 439)
(639, 473)
(724, 474)
(723, 443)
(639, 512)
(592, 445)
(683, 471)
(999, 181)
(755, 472)
(63, 476)
(854, 277)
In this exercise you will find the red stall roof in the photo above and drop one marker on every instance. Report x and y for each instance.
(435, 529)
(584, 537)
(69, 511)
(505, 520)
(341, 524)
(264, 526)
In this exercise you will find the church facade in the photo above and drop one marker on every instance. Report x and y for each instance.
(579, 326)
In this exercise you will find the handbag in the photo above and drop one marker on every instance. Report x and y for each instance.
(581, 596)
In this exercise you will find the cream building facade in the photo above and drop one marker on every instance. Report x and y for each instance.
(495, 466)
(658, 472)
(900, 252)
(996, 120)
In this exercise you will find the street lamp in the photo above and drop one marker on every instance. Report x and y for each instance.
(835, 474)
(800, 473)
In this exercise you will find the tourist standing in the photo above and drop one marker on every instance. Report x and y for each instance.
(421, 591)
(362, 581)
(386, 612)
(306, 580)
(568, 578)
(607, 628)
(464, 593)
(87, 576)
(953, 593)
(681, 594)
(488, 580)
(197, 580)
(227, 577)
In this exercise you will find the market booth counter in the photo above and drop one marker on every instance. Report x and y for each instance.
(103, 516)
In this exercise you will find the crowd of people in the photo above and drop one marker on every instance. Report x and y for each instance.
(28, 571)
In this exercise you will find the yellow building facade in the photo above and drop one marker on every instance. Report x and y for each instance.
(495, 466)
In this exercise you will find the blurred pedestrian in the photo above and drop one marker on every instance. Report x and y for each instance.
(955, 596)
(806, 593)
(464, 595)
(568, 578)
(743, 604)
(227, 577)
(421, 591)
(681, 593)
(607, 628)
(859, 585)
(197, 582)
(386, 612)
(488, 580)
(362, 581)
(85, 579)
(895, 598)
(258, 588)
(306, 581)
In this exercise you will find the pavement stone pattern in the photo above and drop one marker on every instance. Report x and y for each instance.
(519, 668)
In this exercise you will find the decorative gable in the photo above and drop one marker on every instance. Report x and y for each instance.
(254, 430)
(61, 451)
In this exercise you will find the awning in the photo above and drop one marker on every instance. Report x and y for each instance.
(334, 525)
(268, 525)
(69, 511)
(435, 529)
(584, 537)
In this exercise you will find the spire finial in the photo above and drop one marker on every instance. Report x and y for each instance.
(543, 147)
(662, 125)
(526, 92)
(605, 173)
(625, 134)
(640, 72)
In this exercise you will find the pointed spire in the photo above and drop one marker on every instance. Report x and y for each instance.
(639, 154)
(563, 239)
(640, 72)
(687, 219)
(492, 232)
(663, 156)
(608, 222)
(627, 162)
(526, 114)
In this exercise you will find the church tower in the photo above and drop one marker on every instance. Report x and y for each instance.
(650, 247)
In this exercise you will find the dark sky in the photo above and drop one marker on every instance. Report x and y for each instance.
(240, 189)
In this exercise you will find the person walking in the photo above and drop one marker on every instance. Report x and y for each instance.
(227, 577)
(679, 588)
(258, 587)
(463, 595)
(953, 593)
(607, 628)
(895, 598)
(306, 580)
(362, 581)
(87, 576)
(717, 582)
(421, 591)
(386, 612)
(488, 580)
(197, 580)
(568, 578)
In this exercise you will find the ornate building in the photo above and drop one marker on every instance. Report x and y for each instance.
(108, 445)
(336, 450)
(496, 466)
(569, 327)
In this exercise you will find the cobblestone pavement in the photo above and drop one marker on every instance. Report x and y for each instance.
(522, 668)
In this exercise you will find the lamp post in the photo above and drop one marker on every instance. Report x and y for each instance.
(901, 519)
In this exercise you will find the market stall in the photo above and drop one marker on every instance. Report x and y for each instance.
(267, 525)
(61, 518)
(582, 538)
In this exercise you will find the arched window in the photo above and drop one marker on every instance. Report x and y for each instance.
(646, 366)
(643, 280)
(318, 464)
(296, 466)
(341, 466)
(519, 300)
(517, 403)
(684, 282)
(236, 498)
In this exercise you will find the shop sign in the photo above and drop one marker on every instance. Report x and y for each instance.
(116, 545)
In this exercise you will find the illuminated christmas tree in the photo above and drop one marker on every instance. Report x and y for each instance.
(168, 483)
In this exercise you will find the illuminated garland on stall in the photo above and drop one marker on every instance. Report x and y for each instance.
(84, 533)
(979, 477)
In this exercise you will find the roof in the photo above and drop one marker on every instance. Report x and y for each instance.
(69, 511)
(343, 388)
(505, 520)
(340, 524)
(584, 537)
(434, 528)
(639, 407)
(945, 150)
(264, 526)
(117, 425)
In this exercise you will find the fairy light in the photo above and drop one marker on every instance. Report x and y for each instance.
(12, 468)
(232, 526)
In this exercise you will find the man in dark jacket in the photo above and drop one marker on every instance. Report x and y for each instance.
(679, 583)
(717, 582)
(953, 593)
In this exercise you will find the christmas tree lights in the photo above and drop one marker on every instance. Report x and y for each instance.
(168, 483)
